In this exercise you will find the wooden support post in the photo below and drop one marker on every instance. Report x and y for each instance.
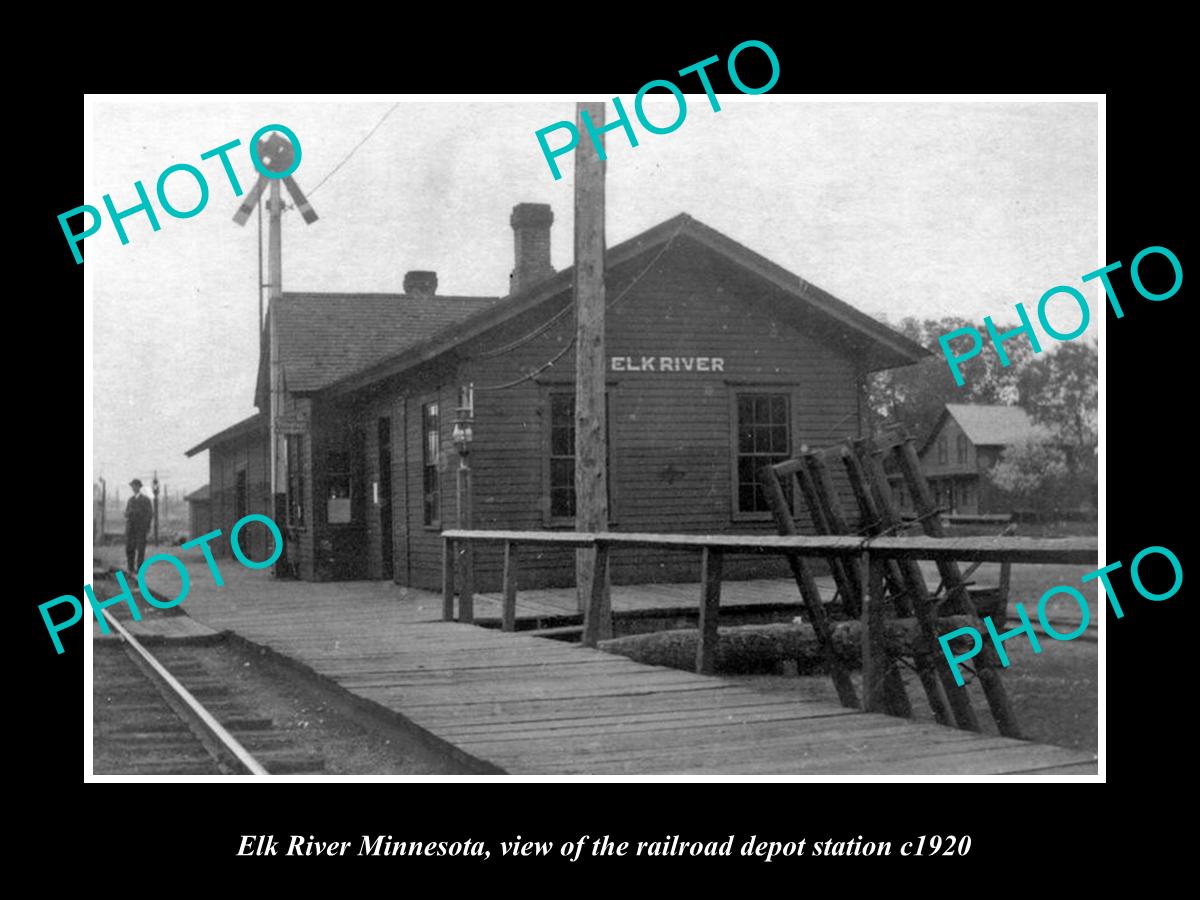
(876, 521)
(871, 458)
(508, 620)
(844, 574)
(466, 551)
(448, 580)
(1005, 579)
(710, 604)
(597, 620)
(875, 662)
(986, 663)
(591, 443)
(809, 592)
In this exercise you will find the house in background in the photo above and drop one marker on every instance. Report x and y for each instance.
(963, 447)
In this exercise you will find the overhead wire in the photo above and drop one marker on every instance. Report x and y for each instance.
(541, 329)
(354, 149)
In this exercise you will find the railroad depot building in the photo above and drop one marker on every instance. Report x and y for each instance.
(718, 362)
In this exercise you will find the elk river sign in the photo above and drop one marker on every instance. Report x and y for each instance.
(666, 364)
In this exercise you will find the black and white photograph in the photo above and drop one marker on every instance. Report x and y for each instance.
(700, 435)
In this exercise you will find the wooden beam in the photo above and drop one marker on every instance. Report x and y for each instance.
(597, 619)
(591, 443)
(986, 663)
(1037, 551)
(809, 593)
(889, 516)
(875, 660)
(875, 521)
(448, 579)
(710, 605)
(509, 614)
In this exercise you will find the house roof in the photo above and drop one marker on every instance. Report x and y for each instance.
(249, 425)
(323, 338)
(987, 425)
(198, 496)
(883, 347)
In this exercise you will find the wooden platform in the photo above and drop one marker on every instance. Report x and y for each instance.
(527, 705)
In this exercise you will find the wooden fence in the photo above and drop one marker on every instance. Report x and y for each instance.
(712, 550)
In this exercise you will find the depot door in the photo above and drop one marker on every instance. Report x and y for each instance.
(387, 548)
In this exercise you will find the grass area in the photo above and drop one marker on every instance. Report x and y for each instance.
(1054, 694)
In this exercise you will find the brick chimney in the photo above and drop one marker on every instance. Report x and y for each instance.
(531, 229)
(420, 284)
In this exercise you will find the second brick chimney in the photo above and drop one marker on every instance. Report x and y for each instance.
(531, 239)
(420, 284)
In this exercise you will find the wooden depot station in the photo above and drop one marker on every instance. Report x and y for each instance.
(718, 362)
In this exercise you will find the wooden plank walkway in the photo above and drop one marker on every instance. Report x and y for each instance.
(527, 705)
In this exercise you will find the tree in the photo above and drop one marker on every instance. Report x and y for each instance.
(915, 395)
(1033, 473)
(1059, 391)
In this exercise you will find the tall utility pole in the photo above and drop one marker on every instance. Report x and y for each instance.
(274, 292)
(591, 458)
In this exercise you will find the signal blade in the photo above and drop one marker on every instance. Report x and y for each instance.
(248, 204)
(302, 204)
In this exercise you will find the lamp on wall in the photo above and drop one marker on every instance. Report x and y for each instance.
(464, 419)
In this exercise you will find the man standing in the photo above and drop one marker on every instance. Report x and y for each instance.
(138, 514)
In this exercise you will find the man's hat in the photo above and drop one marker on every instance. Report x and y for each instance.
(136, 483)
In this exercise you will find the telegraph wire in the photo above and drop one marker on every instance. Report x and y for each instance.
(353, 150)
(545, 325)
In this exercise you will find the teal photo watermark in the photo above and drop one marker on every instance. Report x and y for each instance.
(126, 595)
(266, 166)
(622, 120)
(998, 338)
(998, 640)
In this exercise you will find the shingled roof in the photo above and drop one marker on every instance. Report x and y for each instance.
(326, 337)
(988, 425)
(880, 346)
(199, 495)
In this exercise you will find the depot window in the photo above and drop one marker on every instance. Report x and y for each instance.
(295, 479)
(430, 451)
(762, 438)
(561, 482)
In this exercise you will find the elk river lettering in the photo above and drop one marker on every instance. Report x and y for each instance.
(666, 364)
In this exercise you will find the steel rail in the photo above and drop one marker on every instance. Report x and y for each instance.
(192, 710)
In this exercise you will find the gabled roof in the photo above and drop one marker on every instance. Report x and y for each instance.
(987, 425)
(882, 347)
(198, 496)
(249, 425)
(323, 338)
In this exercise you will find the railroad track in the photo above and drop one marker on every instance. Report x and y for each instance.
(152, 723)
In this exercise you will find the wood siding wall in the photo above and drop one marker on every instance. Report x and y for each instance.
(671, 433)
(247, 453)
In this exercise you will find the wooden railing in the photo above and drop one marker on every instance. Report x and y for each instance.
(598, 613)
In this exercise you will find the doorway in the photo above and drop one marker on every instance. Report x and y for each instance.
(387, 548)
